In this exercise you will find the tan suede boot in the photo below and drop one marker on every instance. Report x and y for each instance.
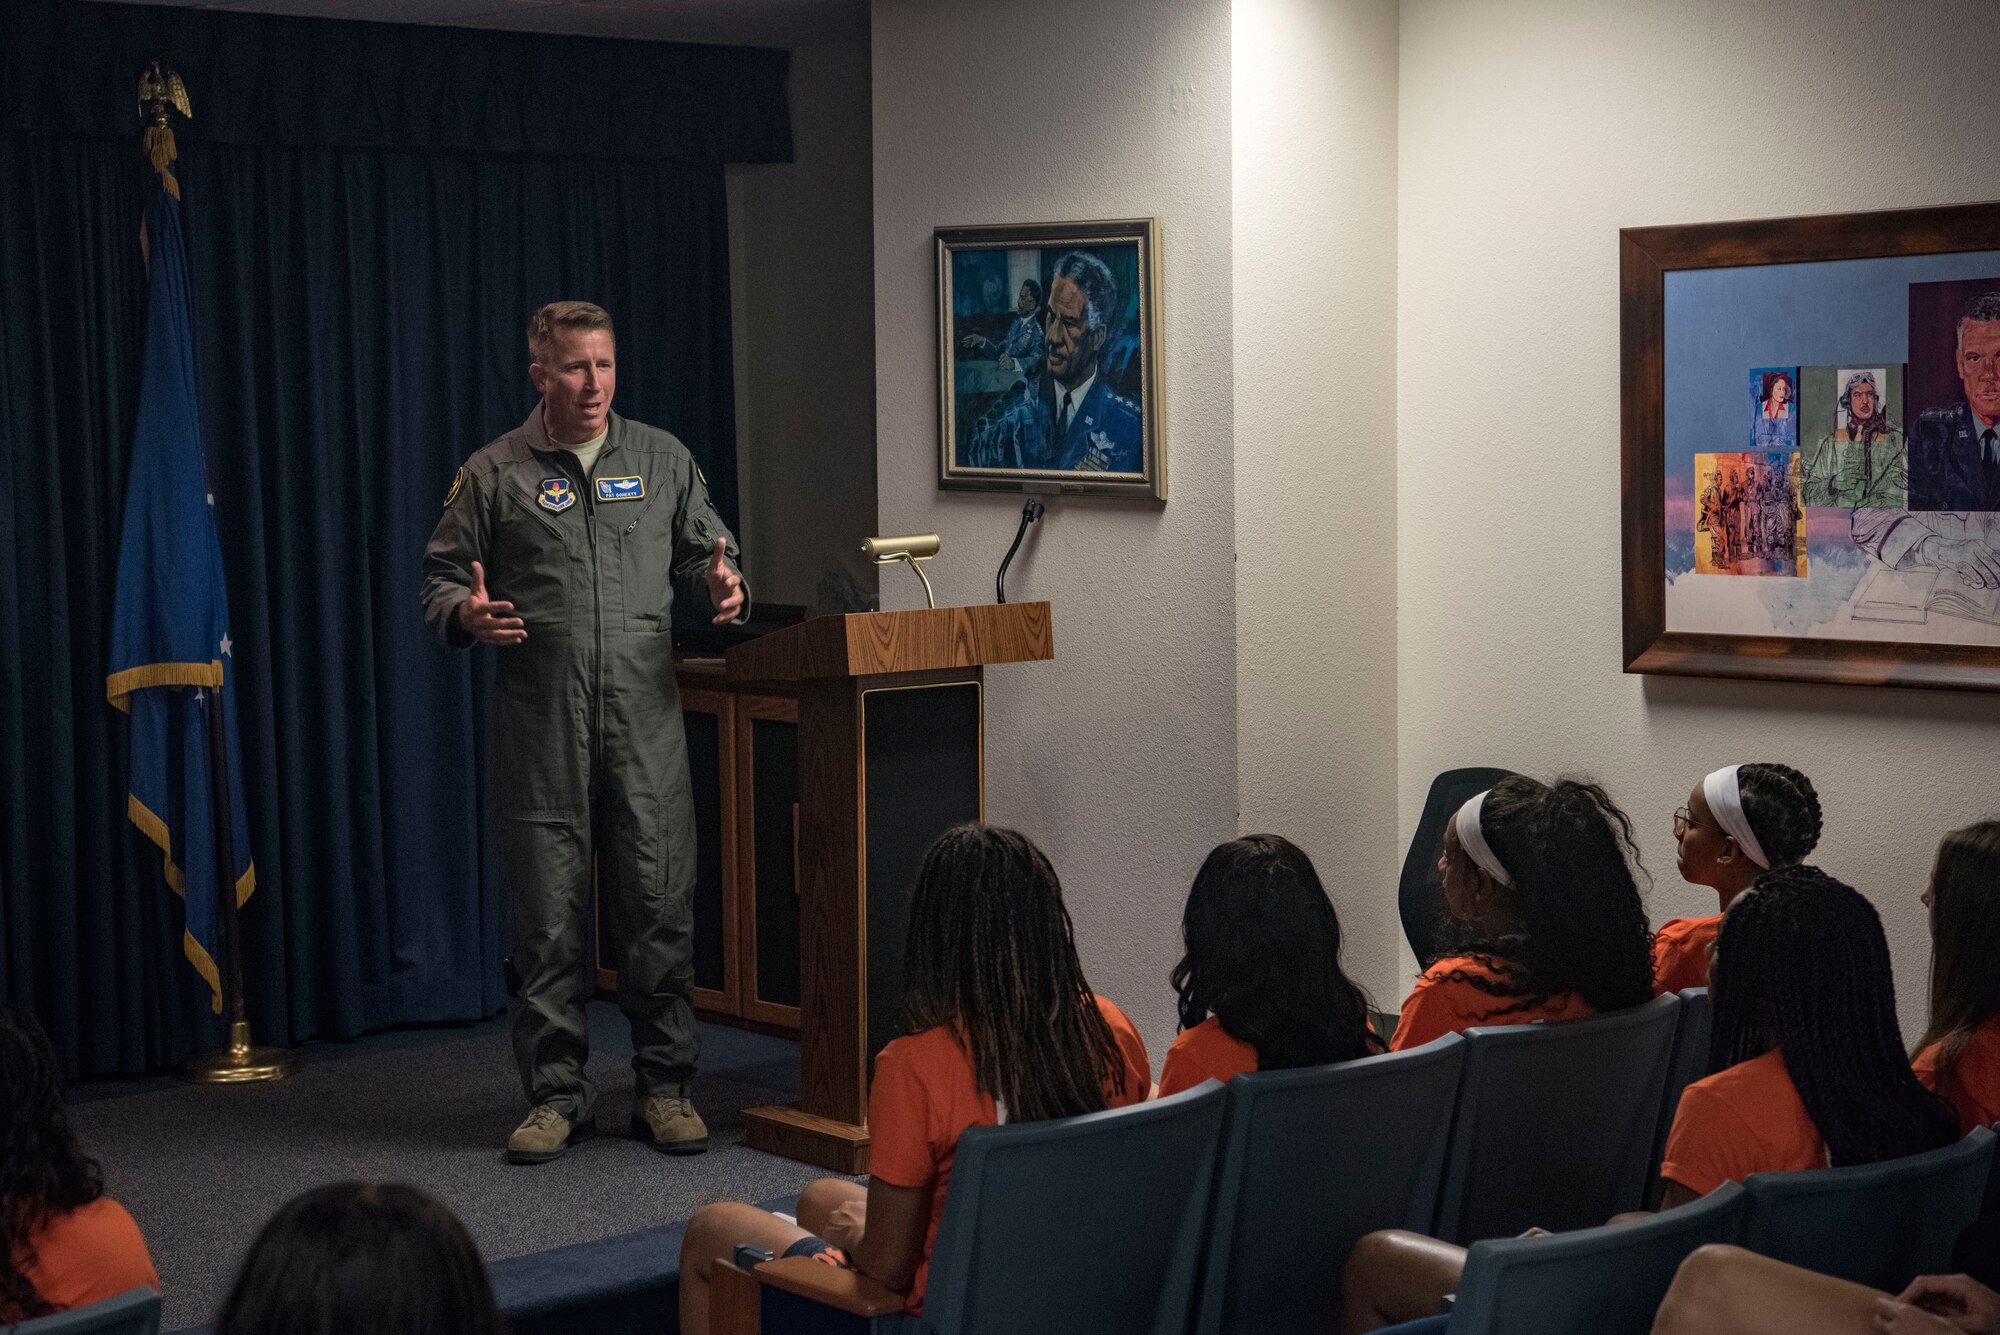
(670, 1122)
(544, 1134)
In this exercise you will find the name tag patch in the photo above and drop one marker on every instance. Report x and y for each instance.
(556, 495)
(621, 488)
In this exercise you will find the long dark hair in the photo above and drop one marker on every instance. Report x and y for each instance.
(990, 950)
(1783, 810)
(1965, 942)
(357, 1257)
(1263, 956)
(1579, 925)
(1801, 965)
(43, 1170)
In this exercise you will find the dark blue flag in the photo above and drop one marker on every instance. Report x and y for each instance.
(170, 625)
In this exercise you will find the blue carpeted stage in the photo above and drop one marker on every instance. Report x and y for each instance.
(587, 1243)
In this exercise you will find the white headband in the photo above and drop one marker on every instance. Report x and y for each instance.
(1472, 838)
(1725, 799)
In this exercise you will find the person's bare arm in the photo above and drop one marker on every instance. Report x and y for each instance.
(1677, 1195)
(885, 1237)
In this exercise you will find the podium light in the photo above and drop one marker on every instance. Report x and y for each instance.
(909, 550)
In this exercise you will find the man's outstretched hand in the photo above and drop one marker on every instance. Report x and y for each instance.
(488, 621)
(725, 586)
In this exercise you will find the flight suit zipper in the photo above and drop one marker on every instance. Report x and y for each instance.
(597, 614)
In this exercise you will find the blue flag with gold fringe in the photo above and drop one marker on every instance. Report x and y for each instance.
(170, 623)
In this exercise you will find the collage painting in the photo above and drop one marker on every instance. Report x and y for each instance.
(1833, 450)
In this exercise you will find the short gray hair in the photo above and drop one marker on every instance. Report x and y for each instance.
(1984, 308)
(1092, 278)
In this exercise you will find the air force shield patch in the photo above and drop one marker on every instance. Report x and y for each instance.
(556, 495)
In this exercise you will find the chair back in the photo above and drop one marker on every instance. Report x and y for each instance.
(1555, 1122)
(1313, 1159)
(1420, 895)
(1087, 1223)
(1688, 1064)
(1879, 1224)
(1595, 1281)
(134, 1312)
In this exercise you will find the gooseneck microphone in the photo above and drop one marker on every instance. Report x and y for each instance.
(1030, 512)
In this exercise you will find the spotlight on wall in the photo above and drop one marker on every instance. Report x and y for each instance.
(909, 550)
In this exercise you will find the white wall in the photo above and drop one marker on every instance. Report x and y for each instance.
(1120, 756)
(1314, 186)
(802, 286)
(1531, 130)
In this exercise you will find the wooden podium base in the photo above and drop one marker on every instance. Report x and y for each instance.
(840, 1147)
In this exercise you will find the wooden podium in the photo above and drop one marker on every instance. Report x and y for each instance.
(891, 753)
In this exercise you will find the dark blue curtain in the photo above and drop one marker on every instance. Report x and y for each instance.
(359, 307)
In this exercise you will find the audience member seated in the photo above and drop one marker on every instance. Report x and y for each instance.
(999, 1026)
(1722, 1290)
(1738, 823)
(1809, 1070)
(1546, 922)
(356, 1257)
(1959, 1055)
(1260, 984)
(1805, 1047)
(63, 1242)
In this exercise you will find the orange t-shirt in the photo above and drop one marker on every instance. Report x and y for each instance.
(1747, 1119)
(1680, 953)
(925, 1095)
(1438, 1005)
(1205, 1052)
(1974, 1086)
(91, 1253)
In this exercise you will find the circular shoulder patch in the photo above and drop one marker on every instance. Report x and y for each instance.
(456, 483)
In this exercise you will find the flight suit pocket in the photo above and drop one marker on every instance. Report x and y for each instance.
(645, 574)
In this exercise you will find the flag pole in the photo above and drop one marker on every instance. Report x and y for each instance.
(239, 1063)
(161, 90)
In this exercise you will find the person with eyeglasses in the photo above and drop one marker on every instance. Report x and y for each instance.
(1739, 822)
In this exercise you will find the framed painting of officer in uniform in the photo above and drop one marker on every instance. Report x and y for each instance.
(1859, 539)
(1049, 359)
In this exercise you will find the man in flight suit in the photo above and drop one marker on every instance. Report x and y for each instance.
(565, 543)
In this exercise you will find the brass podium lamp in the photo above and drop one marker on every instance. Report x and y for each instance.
(909, 550)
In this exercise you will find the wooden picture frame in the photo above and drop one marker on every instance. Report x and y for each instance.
(1684, 288)
(1029, 315)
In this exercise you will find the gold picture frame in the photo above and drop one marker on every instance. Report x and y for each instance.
(1049, 359)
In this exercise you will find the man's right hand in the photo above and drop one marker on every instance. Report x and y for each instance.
(488, 621)
(1972, 560)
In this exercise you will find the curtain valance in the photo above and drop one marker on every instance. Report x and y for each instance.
(262, 80)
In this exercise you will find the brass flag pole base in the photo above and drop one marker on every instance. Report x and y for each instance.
(239, 1063)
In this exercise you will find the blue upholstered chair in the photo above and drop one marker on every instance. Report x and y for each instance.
(1311, 1160)
(134, 1312)
(1090, 1223)
(1688, 1064)
(1555, 1122)
(1879, 1224)
(1595, 1281)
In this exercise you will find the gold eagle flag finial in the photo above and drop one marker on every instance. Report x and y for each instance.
(161, 91)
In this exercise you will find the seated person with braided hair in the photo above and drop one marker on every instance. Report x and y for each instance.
(999, 1026)
(1738, 823)
(1546, 921)
(1959, 1055)
(1808, 1071)
(1260, 984)
(63, 1242)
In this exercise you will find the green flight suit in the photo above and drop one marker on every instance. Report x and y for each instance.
(587, 748)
